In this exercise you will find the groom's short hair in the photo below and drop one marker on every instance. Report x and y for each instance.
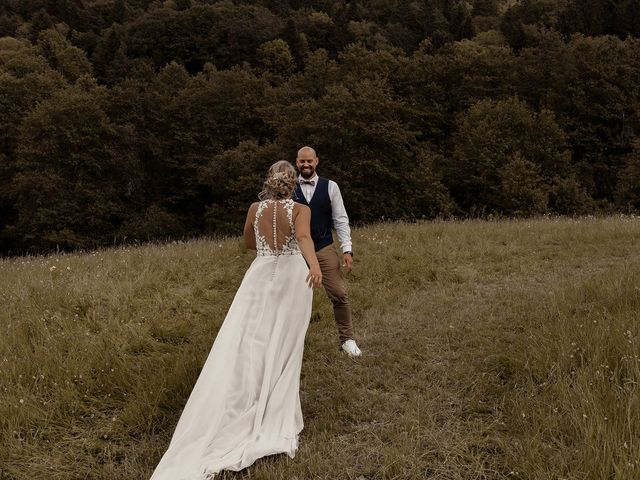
(307, 148)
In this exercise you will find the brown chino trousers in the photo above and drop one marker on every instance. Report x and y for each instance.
(334, 285)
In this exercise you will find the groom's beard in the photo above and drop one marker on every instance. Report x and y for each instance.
(306, 174)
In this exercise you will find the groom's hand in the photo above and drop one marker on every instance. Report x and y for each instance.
(347, 262)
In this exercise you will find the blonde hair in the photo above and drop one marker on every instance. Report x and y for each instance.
(280, 182)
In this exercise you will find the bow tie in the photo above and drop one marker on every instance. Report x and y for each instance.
(307, 182)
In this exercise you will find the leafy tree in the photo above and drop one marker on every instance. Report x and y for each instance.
(400, 36)
(224, 34)
(218, 113)
(628, 187)
(44, 13)
(9, 237)
(361, 138)
(440, 85)
(275, 61)
(25, 79)
(473, 71)
(522, 22)
(357, 62)
(568, 196)
(70, 61)
(151, 223)
(118, 12)
(626, 20)
(438, 28)
(368, 34)
(531, 114)
(320, 71)
(494, 139)
(521, 187)
(181, 122)
(590, 17)
(109, 57)
(183, 4)
(485, 7)
(207, 118)
(71, 184)
(544, 71)
(150, 104)
(321, 31)
(297, 42)
(460, 21)
(597, 102)
(40, 21)
(235, 178)
(7, 25)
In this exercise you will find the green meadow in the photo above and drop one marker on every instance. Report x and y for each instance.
(491, 350)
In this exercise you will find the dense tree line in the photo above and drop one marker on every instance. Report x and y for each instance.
(125, 120)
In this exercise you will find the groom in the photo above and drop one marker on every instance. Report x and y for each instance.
(323, 197)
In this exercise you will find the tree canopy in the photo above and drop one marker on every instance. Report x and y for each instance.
(130, 120)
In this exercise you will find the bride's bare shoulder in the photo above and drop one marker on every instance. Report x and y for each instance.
(253, 208)
(299, 208)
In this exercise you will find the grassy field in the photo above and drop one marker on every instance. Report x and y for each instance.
(506, 349)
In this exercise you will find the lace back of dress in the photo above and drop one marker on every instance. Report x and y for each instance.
(273, 226)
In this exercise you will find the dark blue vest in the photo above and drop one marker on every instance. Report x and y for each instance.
(321, 214)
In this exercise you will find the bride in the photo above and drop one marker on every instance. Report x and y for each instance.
(246, 403)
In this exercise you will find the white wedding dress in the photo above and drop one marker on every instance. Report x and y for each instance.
(246, 403)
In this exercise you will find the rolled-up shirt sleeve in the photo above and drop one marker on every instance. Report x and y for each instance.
(340, 218)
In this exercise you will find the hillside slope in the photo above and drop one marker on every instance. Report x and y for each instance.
(491, 350)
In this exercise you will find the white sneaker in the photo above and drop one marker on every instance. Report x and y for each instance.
(351, 349)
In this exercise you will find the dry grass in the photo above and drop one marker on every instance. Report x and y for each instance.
(491, 350)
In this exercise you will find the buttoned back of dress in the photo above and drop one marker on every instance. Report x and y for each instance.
(274, 228)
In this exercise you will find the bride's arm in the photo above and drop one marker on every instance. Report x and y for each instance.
(249, 235)
(302, 222)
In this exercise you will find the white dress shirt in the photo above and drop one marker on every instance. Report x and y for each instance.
(338, 212)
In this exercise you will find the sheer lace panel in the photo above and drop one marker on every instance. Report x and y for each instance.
(273, 226)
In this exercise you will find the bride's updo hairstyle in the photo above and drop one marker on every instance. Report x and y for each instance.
(280, 182)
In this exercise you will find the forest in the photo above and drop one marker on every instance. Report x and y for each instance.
(134, 120)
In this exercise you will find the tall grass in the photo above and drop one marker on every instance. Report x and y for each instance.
(574, 396)
(491, 350)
